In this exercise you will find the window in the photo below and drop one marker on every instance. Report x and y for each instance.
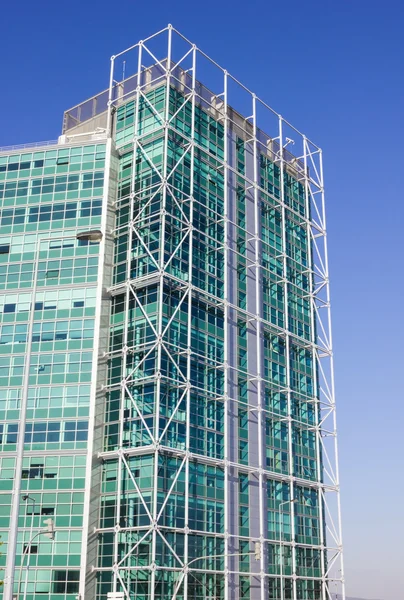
(93, 180)
(47, 510)
(42, 583)
(56, 244)
(52, 274)
(48, 212)
(40, 433)
(12, 433)
(76, 431)
(32, 508)
(66, 582)
(4, 248)
(91, 208)
(34, 472)
(12, 215)
(32, 550)
(9, 308)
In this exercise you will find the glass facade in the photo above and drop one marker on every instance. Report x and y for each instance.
(173, 386)
(49, 276)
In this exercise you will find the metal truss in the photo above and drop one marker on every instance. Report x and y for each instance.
(264, 133)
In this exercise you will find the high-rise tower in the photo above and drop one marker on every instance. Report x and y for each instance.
(167, 394)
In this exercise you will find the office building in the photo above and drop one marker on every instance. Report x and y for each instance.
(167, 404)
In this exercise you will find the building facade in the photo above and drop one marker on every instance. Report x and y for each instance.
(166, 383)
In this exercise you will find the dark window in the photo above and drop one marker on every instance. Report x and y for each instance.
(58, 211)
(76, 304)
(39, 433)
(53, 274)
(32, 550)
(85, 209)
(76, 431)
(9, 308)
(73, 183)
(39, 436)
(34, 472)
(66, 582)
(7, 216)
(70, 210)
(25, 165)
(87, 181)
(19, 216)
(45, 212)
(12, 433)
(91, 208)
(47, 510)
(53, 432)
(38, 163)
(22, 189)
(33, 214)
(4, 248)
(36, 189)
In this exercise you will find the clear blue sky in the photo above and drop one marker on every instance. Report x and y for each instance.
(334, 70)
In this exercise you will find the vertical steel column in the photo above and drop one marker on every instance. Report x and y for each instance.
(110, 99)
(160, 315)
(125, 349)
(332, 379)
(189, 322)
(121, 408)
(226, 338)
(258, 325)
(314, 350)
(287, 357)
(31, 533)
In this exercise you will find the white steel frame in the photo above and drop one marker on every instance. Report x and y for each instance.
(178, 68)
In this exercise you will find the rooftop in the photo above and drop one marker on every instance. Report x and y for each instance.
(167, 54)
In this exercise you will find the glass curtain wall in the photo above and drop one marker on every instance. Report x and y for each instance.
(168, 406)
(47, 276)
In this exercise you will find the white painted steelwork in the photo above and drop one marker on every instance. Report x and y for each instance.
(168, 58)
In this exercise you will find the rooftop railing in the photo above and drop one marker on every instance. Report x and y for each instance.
(29, 145)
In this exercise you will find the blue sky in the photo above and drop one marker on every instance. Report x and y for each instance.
(334, 70)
